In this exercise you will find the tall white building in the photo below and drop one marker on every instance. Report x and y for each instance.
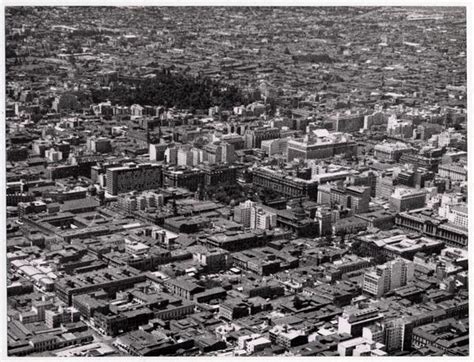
(197, 156)
(171, 155)
(458, 215)
(253, 216)
(242, 213)
(185, 157)
(53, 155)
(446, 137)
(389, 276)
(262, 219)
(276, 146)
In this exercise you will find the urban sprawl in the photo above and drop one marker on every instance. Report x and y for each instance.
(230, 181)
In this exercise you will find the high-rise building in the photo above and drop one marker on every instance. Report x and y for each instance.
(355, 198)
(213, 153)
(323, 217)
(99, 144)
(222, 152)
(275, 147)
(389, 276)
(253, 138)
(157, 151)
(353, 320)
(447, 137)
(391, 151)
(399, 128)
(53, 155)
(228, 152)
(360, 198)
(347, 122)
(376, 120)
(320, 145)
(129, 204)
(384, 187)
(427, 157)
(254, 216)
(458, 215)
(171, 155)
(219, 174)
(395, 335)
(406, 199)
(262, 219)
(289, 186)
(374, 332)
(453, 171)
(242, 213)
(133, 178)
(198, 156)
(183, 177)
(185, 156)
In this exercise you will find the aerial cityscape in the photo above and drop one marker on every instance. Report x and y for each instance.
(236, 181)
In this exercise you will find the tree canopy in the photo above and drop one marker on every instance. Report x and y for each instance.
(174, 90)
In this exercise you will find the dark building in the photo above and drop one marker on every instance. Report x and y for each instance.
(112, 324)
(190, 179)
(286, 185)
(133, 178)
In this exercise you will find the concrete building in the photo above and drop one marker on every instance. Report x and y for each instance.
(448, 137)
(242, 213)
(355, 198)
(184, 156)
(453, 171)
(459, 216)
(133, 178)
(391, 151)
(254, 216)
(184, 177)
(257, 345)
(171, 155)
(399, 128)
(157, 151)
(347, 122)
(395, 334)
(222, 152)
(287, 185)
(53, 155)
(353, 320)
(99, 144)
(253, 138)
(275, 147)
(389, 276)
(406, 199)
(384, 187)
(260, 218)
(360, 347)
(323, 217)
(320, 145)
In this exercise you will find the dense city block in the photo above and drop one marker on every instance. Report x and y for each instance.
(236, 181)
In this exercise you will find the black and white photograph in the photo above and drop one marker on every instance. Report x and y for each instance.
(235, 181)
